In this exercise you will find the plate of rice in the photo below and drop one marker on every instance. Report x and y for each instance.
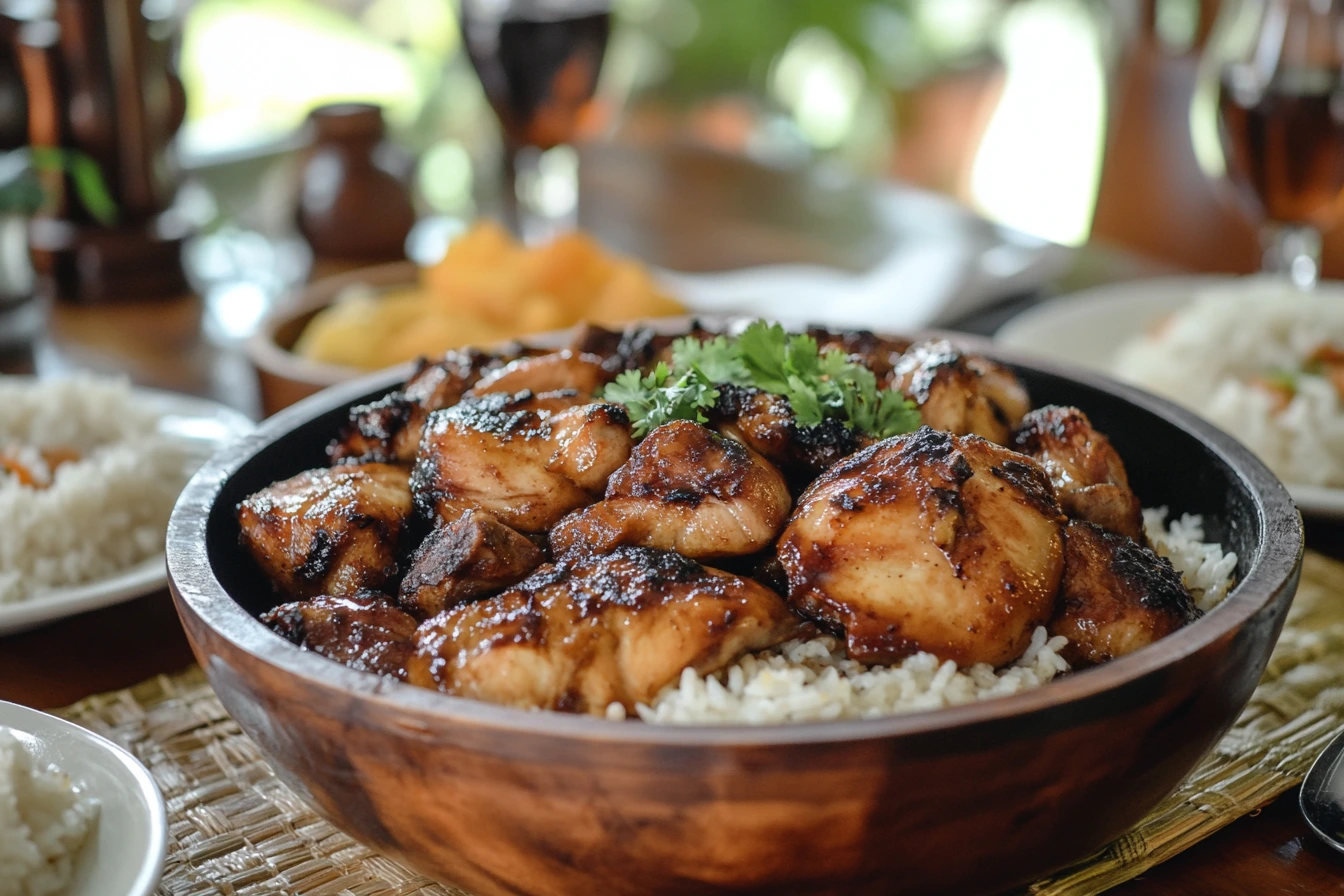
(1253, 355)
(89, 470)
(79, 816)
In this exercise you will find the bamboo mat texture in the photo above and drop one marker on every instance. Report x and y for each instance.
(235, 830)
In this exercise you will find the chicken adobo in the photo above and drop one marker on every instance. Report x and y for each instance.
(572, 530)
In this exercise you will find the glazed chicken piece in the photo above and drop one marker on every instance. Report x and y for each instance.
(526, 467)
(333, 531)
(927, 542)
(581, 372)
(959, 393)
(630, 349)
(472, 556)
(364, 632)
(593, 630)
(764, 422)
(388, 430)
(1116, 596)
(685, 489)
(1086, 470)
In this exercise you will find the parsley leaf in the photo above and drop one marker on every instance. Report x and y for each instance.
(656, 398)
(716, 358)
(818, 385)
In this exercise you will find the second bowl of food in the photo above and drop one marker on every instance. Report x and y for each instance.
(822, 613)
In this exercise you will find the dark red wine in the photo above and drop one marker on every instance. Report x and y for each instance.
(1284, 140)
(538, 62)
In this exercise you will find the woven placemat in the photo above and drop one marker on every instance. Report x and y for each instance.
(235, 830)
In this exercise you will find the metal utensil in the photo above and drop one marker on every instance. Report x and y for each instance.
(1322, 796)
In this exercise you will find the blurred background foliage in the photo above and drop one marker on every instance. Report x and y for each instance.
(1001, 103)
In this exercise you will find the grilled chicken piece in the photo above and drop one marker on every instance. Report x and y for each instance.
(927, 542)
(332, 531)
(764, 422)
(473, 555)
(546, 373)
(631, 349)
(388, 430)
(961, 394)
(877, 353)
(685, 489)
(593, 630)
(1086, 470)
(364, 632)
(527, 467)
(1116, 596)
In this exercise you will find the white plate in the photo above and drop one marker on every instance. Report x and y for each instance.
(205, 426)
(125, 852)
(1088, 327)
(943, 263)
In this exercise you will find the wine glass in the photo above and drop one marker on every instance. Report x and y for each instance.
(1280, 65)
(538, 61)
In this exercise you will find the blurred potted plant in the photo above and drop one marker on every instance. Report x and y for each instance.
(23, 194)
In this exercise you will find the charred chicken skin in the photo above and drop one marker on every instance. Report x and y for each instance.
(764, 422)
(388, 430)
(1116, 596)
(460, 561)
(364, 632)
(1086, 470)
(959, 393)
(927, 542)
(579, 371)
(333, 532)
(685, 489)
(527, 467)
(589, 631)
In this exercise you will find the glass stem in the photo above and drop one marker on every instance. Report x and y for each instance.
(1295, 250)
(546, 186)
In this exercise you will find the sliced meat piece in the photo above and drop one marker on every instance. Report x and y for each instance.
(364, 632)
(330, 531)
(685, 489)
(1116, 596)
(474, 555)
(1086, 470)
(927, 542)
(594, 630)
(527, 467)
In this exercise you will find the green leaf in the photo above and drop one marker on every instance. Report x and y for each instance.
(716, 359)
(655, 399)
(819, 385)
(87, 177)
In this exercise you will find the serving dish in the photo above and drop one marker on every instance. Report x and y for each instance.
(198, 423)
(1088, 328)
(125, 853)
(966, 800)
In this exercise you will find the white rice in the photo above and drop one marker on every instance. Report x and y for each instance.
(45, 819)
(1208, 355)
(812, 680)
(100, 514)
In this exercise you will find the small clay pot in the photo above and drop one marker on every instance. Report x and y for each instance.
(352, 204)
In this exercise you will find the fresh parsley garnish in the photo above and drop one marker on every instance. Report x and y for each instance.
(819, 385)
(657, 397)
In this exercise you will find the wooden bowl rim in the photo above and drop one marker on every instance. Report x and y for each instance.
(193, 584)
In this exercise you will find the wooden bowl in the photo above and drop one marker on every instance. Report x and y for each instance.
(285, 377)
(972, 799)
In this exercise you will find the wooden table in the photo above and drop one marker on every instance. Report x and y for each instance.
(160, 345)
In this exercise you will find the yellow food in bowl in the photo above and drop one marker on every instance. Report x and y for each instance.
(488, 288)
